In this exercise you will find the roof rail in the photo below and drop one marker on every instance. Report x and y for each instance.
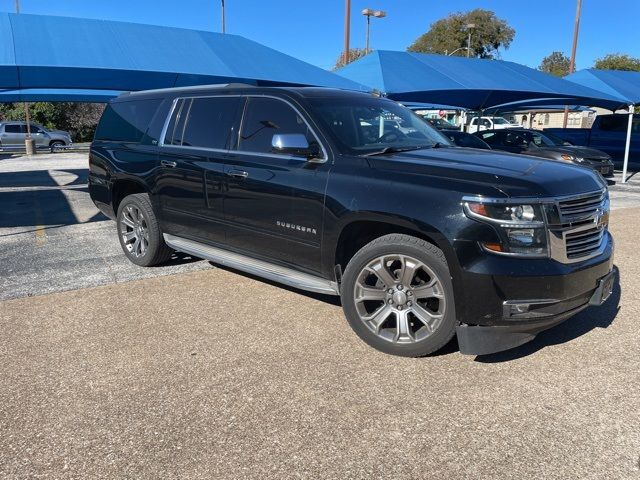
(191, 88)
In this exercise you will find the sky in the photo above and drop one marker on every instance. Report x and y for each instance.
(313, 30)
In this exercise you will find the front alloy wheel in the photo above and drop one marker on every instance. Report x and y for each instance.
(399, 298)
(397, 295)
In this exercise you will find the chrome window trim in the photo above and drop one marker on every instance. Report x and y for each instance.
(167, 120)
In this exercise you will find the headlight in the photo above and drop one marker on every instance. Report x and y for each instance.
(521, 227)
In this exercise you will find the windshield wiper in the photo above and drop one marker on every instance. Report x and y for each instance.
(386, 150)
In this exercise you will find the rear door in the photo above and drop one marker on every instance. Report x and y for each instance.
(275, 202)
(12, 135)
(192, 155)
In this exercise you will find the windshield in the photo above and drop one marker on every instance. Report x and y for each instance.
(500, 121)
(363, 125)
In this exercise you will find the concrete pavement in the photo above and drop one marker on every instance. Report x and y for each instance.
(214, 374)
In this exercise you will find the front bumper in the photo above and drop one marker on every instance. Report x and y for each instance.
(516, 302)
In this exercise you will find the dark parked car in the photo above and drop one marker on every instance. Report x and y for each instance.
(608, 134)
(464, 139)
(420, 240)
(440, 124)
(546, 145)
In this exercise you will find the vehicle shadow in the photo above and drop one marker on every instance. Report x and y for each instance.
(582, 323)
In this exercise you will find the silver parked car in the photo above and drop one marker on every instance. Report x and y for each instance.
(13, 135)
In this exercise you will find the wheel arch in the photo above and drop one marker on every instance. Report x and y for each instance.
(357, 232)
(123, 187)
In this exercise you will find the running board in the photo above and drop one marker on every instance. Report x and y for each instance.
(250, 265)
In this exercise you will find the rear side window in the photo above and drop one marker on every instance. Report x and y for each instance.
(12, 129)
(126, 121)
(266, 117)
(210, 122)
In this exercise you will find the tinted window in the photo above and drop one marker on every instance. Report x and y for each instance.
(210, 121)
(266, 117)
(492, 138)
(173, 136)
(126, 121)
(614, 123)
(34, 128)
(12, 129)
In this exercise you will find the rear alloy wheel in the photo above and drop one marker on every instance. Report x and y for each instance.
(139, 233)
(56, 146)
(397, 296)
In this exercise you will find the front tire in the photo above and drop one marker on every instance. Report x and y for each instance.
(397, 296)
(56, 146)
(139, 233)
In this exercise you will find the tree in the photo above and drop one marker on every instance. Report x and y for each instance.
(618, 61)
(354, 54)
(557, 63)
(449, 34)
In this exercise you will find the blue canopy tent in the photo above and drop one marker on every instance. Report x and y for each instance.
(60, 58)
(466, 82)
(614, 82)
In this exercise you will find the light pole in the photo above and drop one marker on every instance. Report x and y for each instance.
(347, 25)
(223, 30)
(456, 50)
(574, 47)
(29, 144)
(367, 12)
(469, 26)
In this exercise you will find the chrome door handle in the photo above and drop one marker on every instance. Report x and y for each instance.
(168, 163)
(237, 173)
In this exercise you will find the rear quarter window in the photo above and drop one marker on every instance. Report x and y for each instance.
(126, 121)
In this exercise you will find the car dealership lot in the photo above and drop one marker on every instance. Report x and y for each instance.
(209, 373)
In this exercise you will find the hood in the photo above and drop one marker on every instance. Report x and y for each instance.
(60, 132)
(578, 151)
(476, 170)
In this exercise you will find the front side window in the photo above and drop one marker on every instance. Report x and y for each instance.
(363, 124)
(266, 117)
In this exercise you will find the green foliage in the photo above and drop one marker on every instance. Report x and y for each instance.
(80, 119)
(354, 54)
(450, 34)
(557, 63)
(618, 61)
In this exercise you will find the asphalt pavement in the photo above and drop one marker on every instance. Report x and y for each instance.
(215, 374)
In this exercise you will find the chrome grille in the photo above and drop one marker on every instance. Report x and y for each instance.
(584, 242)
(581, 227)
(585, 206)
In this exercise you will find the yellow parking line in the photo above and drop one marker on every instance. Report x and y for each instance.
(41, 236)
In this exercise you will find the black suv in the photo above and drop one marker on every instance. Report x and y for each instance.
(349, 194)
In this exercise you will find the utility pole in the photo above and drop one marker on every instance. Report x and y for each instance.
(223, 29)
(29, 144)
(347, 25)
(574, 47)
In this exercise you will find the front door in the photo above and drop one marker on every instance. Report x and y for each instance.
(274, 203)
(191, 159)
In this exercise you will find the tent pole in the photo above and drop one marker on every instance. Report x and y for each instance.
(627, 145)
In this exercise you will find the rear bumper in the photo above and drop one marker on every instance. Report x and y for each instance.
(516, 306)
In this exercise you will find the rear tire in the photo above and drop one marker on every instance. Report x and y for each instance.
(139, 233)
(397, 296)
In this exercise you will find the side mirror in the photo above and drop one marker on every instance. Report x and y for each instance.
(294, 144)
